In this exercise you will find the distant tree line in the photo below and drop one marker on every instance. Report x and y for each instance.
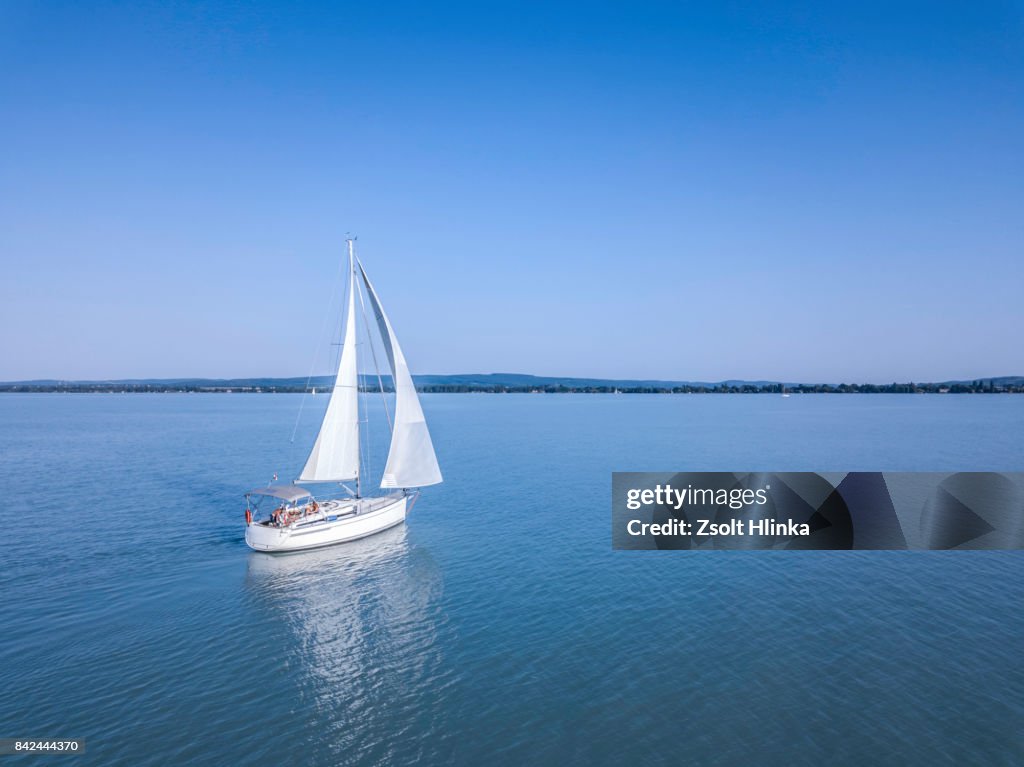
(974, 387)
(980, 386)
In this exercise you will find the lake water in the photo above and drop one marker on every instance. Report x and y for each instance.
(498, 626)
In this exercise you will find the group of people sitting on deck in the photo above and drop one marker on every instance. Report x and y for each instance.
(281, 517)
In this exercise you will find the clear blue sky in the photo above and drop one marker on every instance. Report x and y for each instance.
(658, 190)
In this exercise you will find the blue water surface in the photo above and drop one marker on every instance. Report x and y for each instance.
(497, 627)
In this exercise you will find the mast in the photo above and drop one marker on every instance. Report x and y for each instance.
(351, 319)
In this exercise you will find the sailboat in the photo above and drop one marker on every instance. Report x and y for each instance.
(784, 392)
(303, 519)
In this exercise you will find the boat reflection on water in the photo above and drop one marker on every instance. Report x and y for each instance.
(359, 625)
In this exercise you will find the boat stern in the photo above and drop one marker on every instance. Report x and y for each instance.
(262, 537)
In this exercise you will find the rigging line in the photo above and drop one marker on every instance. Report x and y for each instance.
(363, 418)
(365, 433)
(376, 367)
(319, 343)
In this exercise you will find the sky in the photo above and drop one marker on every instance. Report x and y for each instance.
(679, 191)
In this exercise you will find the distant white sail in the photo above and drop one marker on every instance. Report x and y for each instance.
(335, 455)
(411, 459)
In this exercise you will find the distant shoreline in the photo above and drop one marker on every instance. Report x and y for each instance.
(986, 386)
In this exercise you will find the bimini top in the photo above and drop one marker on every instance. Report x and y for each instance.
(290, 493)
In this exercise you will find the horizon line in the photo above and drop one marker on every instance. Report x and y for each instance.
(553, 378)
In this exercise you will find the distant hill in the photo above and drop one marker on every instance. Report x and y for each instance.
(998, 381)
(504, 382)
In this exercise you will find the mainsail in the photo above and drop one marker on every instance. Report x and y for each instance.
(411, 459)
(335, 454)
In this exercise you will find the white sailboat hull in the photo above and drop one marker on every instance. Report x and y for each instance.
(336, 522)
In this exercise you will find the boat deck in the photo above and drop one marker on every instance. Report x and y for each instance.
(333, 510)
